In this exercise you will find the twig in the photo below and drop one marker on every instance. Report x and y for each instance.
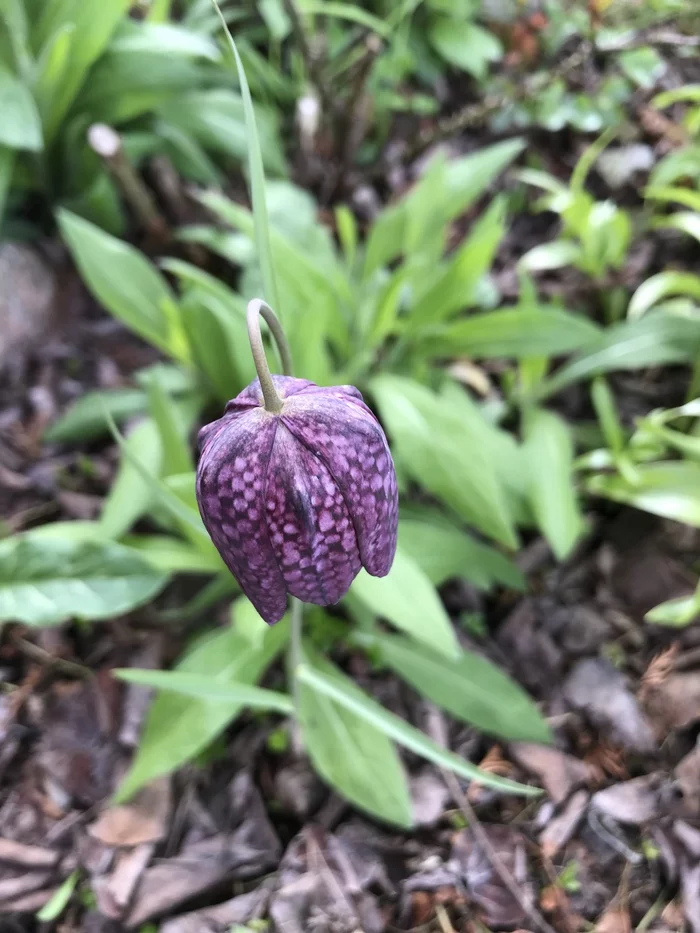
(310, 61)
(483, 840)
(107, 144)
(35, 653)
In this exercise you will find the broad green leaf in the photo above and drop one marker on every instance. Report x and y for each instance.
(642, 65)
(20, 125)
(407, 598)
(549, 454)
(130, 496)
(514, 332)
(50, 70)
(470, 687)
(676, 194)
(442, 552)
(465, 45)
(178, 728)
(439, 450)
(354, 757)
(676, 613)
(455, 289)
(683, 221)
(654, 340)
(46, 581)
(68, 531)
(94, 22)
(202, 687)
(552, 255)
(604, 404)
(466, 179)
(173, 555)
(162, 39)
(660, 286)
(669, 489)
(125, 282)
(349, 696)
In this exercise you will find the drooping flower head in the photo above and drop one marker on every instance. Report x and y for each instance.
(297, 500)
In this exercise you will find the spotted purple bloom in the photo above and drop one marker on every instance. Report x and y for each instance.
(298, 502)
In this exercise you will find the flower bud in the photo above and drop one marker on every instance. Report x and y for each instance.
(297, 501)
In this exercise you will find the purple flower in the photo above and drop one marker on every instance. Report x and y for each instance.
(298, 501)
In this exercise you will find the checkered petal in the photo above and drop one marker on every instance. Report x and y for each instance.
(344, 434)
(311, 531)
(231, 480)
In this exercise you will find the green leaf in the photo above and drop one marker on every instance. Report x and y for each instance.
(50, 70)
(162, 39)
(349, 12)
(676, 613)
(669, 489)
(257, 180)
(85, 419)
(465, 45)
(130, 496)
(455, 288)
(660, 286)
(443, 552)
(549, 452)
(683, 221)
(466, 179)
(202, 687)
(56, 904)
(173, 555)
(173, 427)
(349, 696)
(440, 450)
(94, 22)
(654, 340)
(178, 728)
(470, 687)
(407, 598)
(552, 255)
(353, 756)
(20, 126)
(46, 581)
(643, 65)
(514, 332)
(123, 281)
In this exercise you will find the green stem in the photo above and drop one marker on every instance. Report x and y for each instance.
(295, 651)
(257, 309)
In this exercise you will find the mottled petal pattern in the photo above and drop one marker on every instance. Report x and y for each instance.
(297, 502)
(346, 436)
(231, 481)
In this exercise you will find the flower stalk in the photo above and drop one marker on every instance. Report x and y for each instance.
(259, 309)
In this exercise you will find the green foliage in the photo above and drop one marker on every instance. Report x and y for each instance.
(162, 84)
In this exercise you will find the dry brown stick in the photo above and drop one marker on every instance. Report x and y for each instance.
(107, 144)
(20, 853)
(310, 61)
(46, 659)
(438, 734)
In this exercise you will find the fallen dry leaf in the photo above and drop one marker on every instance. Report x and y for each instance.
(143, 819)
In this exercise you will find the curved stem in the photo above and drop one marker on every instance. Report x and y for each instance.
(257, 309)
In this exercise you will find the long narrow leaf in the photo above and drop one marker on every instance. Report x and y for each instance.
(257, 177)
(204, 688)
(352, 698)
